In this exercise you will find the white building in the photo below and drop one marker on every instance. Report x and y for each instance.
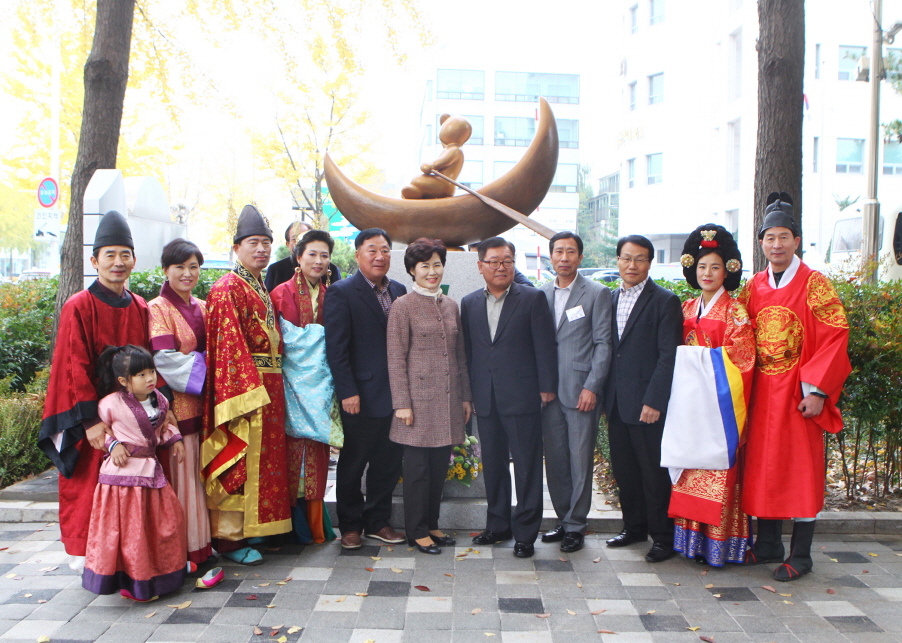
(502, 105)
(687, 131)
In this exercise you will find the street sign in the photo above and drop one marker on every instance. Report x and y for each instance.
(46, 225)
(48, 192)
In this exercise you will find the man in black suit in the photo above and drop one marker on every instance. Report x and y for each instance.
(355, 315)
(647, 327)
(512, 359)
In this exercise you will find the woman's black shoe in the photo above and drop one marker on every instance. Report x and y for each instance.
(433, 549)
(444, 541)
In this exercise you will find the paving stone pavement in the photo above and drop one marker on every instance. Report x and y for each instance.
(390, 594)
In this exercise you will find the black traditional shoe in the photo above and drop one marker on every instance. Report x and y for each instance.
(625, 538)
(799, 562)
(555, 535)
(524, 550)
(444, 541)
(768, 547)
(433, 548)
(573, 541)
(491, 537)
(659, 552)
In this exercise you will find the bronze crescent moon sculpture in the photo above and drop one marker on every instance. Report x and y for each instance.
(456, 220)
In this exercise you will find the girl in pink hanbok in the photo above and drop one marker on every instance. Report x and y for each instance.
(137, 543)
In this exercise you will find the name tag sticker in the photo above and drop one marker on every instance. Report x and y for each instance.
(575, 313)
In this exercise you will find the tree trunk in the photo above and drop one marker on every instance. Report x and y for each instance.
(781, 62)
(106, 75)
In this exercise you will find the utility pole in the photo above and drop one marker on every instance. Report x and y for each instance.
(870, 220)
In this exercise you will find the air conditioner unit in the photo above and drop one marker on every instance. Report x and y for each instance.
(863, 71)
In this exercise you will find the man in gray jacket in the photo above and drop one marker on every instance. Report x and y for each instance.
(582, 317)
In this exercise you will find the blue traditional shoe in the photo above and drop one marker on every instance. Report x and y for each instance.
(246, 556)
(256, 540)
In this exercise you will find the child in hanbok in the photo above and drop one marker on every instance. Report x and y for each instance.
(137, 542)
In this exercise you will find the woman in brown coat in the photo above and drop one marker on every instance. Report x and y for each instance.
(430, 389)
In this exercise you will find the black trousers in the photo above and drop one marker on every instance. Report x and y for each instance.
(425, 469)
(644, 483)
(520, 437)
(366, 443)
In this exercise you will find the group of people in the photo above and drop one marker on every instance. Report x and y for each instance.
(181, 426)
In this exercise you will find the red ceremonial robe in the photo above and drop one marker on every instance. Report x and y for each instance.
(243, 458)
(90, 321)
(801, 335)
(705, 505)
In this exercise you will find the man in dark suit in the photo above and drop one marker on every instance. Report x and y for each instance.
(647, 327)
(355, 315)
(512, 359)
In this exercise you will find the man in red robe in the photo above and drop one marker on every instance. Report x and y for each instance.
(801, 336)
(72, 435)
(243, 455)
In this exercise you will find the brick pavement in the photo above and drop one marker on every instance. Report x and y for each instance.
(474, 594)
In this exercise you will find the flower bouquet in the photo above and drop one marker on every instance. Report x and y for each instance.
(465, 462)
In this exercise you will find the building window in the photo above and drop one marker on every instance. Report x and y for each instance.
(734, 79)
(892, 158)
(817, 61)
(471, 175)
(849, 155)
(734, 140)
(514, 131)
(848, 61)
(476, 122)
(568, 132)
(654, 167)
(565, 178)
(634, 18)
(631, 95)
(655, 89)
(656, 11)
(460, 84)
(731, 221)
(815, 154)
(525, 87)
(631, 173)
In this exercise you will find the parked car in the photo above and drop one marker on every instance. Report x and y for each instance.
(606, 275)
(668, 271)
(33, 274)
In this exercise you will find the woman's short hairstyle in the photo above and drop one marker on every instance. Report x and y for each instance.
(639, 240)
(313, 235)
(179, 251)
(422, 250)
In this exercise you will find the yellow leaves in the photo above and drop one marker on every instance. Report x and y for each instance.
(694, 629)
(476, 610)
(180, 606)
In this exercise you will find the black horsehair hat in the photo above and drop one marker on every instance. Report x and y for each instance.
(251, 223)
(778, 214)
(708, 238)
(113, 230)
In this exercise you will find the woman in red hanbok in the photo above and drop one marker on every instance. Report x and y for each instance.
(709, 525)
(178, 340)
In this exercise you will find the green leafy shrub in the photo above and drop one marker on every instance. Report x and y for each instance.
(20, 423)
(26, 319)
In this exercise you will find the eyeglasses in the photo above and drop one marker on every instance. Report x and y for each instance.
(634, 260)
(494, 264)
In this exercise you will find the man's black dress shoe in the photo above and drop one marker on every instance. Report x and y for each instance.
(444, 541)
(659, 552)
(433, 549)
(491, 537)
(573, 541)
(524, 550)
(625, 538)
(555, 535)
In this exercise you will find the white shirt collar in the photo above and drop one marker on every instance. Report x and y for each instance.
(788, 274)
(637, 288)
(704, 309)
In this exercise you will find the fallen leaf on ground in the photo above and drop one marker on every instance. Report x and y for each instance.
(369, 569)
(397, 571)
(694, 629)
(789, 602)
(597, 560)
(651, 611)
(341, 599)
(391, 549)
(489, 633)
(422, 588)
(769, 588)
(361, 594)
(469, 549)
(263, 585)
(257, 631)
(42, 600)
(597, 612)
(709, 585)
(439, 598)
(294, 629)
(873, 554)
(49, 569)
(182, 606)
(44, 639)
(677, 584)
(563, 560)
(3, 548)
(704, 572)
(834, 560)
(256, 575)
(716, 595)
(542, 615)
(282, 639)
(287, 579)
(275, 629)
(376, 557)
(785, 594)
(606, 632)
(831, 591)
(571, 612)
(281, 582)
(580, 585)
(864, 571)
(270, 606)
(27, 595)
(707, 639)
(476, 610)
(151, 614)
(10, 575)
(450, 575)
(251, 597)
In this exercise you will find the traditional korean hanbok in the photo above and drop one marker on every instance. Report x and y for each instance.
(705, 502)
(136, 537)
(301, 306)
(178, 340)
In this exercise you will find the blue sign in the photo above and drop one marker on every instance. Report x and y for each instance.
(48, 192)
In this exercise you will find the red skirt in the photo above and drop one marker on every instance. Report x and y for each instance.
(136, 541)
